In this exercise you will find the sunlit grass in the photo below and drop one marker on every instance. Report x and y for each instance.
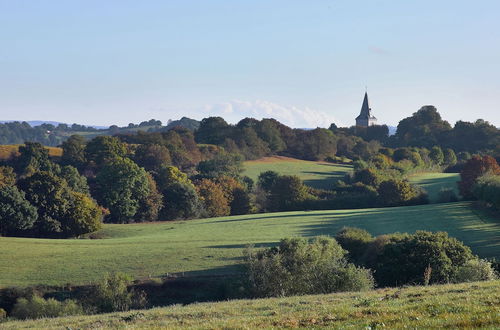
(214, 246)
(471, 305)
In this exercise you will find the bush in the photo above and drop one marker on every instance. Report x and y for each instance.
(487, 189)
(113, 295)
(297, 267)
(354, 240)
(447, 195)
(37, 307)
(475, 270)
(402, 259)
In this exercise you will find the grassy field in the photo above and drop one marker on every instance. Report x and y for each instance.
(471, 305)
(321, 175)
(434, 182)
(9, 150)
(214, 246)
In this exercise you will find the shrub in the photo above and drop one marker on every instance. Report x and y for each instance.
(37, 307)
(399, 192)
(354, 240)
(475, 270)
(447, 195)
(402, 259)
(297, 267)
(112, 294)
(487, 189)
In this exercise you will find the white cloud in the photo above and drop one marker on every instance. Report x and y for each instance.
(292, 116)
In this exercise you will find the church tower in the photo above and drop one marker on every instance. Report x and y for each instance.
(365, 118)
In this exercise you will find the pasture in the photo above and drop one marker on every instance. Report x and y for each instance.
(214, 246)
(10, 150)
(434, 182)
(321, 175)
(469, 305)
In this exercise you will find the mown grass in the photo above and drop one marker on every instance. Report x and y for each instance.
(320, 175)
(10, 150)
(434, 182)
(214, 246)
(471, 305)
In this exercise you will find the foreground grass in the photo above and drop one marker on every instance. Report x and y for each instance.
(471, 305)
(434, 182)
(214, 246)
(320, 175)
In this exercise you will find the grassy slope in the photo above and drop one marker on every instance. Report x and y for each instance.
(315, 174)
(214, 246)
(471, 305)
(434, 182)
(8, 150)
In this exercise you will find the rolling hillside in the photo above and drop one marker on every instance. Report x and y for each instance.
(470, 305)
(214, 246)
(321, 175)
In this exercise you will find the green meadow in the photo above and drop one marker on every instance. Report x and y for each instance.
(214, 246)
(434, 182)
(320, 175)
(469, 305)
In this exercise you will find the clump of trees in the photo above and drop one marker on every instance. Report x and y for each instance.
(420, 258)
(40, 198)
(298, 267)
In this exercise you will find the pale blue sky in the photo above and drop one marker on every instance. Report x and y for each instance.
(304, 62)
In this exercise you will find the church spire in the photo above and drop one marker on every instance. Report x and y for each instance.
(365, 117)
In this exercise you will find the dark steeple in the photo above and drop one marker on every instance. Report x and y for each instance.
(365, 117)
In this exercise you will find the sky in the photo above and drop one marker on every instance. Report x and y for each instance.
(306, 63)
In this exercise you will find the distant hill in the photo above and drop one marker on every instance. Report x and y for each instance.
(53, 133)
(35, 123)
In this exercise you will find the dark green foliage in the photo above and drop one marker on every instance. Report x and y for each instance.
(368, 177)
(33, 157)
(104, 148)
(223, 164)
(399, 192)
(450, 159)
(122, 186)
(402, 259)
(374, 132)
(424, 128)
(287, 193)
(436, 155)
(152, 156)
(241, 202)
(354, 240)
(212, 130)
(75, 181)
(74, 151)
(447, 195)
(487, 189)
(16, 213)
(267, 179)
(297, 267)
(62, 212)
(181, 201)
